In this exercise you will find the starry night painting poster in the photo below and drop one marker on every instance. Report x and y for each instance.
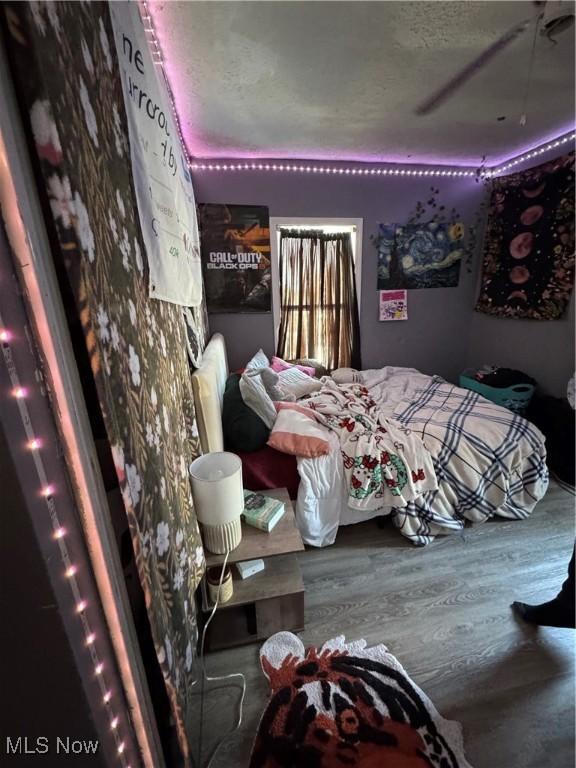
(528, 266)
(235, 249)
(423, 255)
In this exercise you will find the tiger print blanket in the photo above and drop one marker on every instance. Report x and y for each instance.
(348, 706)
(385, 464)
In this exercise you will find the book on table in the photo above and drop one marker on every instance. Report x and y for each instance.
(261, 511)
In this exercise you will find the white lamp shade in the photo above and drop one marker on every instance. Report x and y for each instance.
(217, 488)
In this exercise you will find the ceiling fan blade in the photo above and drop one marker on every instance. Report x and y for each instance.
(465, 74)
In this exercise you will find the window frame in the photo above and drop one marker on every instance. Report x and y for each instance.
(310, 222)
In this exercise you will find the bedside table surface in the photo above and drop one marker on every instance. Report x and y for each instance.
(283, 539)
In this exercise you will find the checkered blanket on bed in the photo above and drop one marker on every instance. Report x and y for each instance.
(488, 460)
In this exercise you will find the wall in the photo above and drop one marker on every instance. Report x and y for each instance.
(443, 333)
(434, 338)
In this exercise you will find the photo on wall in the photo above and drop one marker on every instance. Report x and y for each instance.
(235, 248)
(424, 255)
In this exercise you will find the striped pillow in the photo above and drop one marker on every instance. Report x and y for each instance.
(298, 434)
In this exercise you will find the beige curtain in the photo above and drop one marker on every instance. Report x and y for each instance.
(319, 308)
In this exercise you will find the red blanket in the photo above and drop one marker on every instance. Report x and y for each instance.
(267, 468)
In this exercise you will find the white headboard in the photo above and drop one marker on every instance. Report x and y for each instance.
(208, 384)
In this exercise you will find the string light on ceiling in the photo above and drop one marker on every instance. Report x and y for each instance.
(331, 170)
(390, 170)
(49, 492)
(554, 144)
(158, 58)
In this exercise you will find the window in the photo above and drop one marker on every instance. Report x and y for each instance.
(316, 272)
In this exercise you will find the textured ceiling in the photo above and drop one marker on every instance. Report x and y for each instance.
(341, 80)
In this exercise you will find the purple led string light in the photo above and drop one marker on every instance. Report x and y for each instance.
(47, 490)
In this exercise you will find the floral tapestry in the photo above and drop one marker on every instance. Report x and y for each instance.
(67, 76)
(529, 248)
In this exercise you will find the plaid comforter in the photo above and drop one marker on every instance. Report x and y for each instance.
(488, 460)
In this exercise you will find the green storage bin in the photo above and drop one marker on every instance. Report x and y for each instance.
(516, 398)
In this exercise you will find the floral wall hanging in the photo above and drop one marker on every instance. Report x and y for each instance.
(528, 267)
(67, 77)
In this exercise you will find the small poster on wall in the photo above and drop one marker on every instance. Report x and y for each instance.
(393, 305)
(424, 255)
(235, 248)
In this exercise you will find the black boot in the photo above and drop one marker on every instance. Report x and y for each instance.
(552, 614)
(559, 612)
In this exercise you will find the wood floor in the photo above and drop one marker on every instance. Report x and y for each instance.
(444, 612)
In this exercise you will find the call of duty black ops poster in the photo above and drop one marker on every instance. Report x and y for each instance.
(235, 247)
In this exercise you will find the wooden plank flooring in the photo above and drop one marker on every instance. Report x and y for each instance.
(444, 612)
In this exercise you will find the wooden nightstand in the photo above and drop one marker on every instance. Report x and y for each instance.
(269, 601)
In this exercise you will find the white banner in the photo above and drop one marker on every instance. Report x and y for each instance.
(162, 178)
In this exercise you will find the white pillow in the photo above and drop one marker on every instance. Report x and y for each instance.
(255, 396)
(258, 361)
(346, 376)
(298, 383)
(270, 380)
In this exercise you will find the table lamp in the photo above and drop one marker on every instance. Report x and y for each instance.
(218, 499)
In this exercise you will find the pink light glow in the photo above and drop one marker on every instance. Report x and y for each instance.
(59, 533)
(33, 445)
(114, 724)
(99, 668)
(107, 696)
(71, 571)
(524, 149)
(5, 335)
(204, 152)
(91, 637)
(48, 491)
(80, 608)
(12, 180)
(20, 392)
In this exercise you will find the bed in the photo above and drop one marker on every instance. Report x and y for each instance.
(485, 460)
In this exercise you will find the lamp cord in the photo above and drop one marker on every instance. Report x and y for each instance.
(206, 678)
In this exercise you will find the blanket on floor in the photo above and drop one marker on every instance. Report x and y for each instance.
(385, 464)
(346, 705)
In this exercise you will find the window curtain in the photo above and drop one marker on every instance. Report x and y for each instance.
(319, 307)
(67, 76)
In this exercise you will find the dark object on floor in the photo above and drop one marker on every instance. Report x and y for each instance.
(347, 705)
(559, 612)
(555, 418)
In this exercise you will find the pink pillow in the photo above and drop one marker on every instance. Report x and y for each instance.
(278, 365)
(298, 434)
